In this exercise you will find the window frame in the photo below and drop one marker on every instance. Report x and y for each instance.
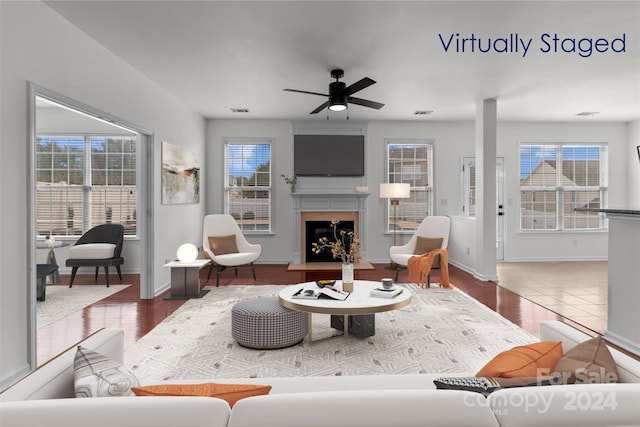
(426, 191)
(561, 191)
(469, 188)
(87, 189)
(269, 188)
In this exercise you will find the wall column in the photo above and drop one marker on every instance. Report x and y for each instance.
(486, 140)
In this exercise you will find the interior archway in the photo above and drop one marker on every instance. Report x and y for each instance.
(48, 110)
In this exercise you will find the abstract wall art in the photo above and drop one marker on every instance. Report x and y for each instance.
(180, 175)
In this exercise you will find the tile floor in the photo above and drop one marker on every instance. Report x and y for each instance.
(574, 289)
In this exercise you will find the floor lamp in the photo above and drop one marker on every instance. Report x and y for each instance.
(394, 192)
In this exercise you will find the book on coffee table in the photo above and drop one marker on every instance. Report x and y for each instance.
(386, 293)
(326, 292)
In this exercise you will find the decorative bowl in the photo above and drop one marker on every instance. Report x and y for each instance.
(323, 283)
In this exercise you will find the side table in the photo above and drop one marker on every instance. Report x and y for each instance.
(53, 277)
(185, 279)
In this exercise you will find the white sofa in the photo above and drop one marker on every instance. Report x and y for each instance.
(45, 398)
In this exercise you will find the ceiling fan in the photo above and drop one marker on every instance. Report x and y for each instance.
(340, 95)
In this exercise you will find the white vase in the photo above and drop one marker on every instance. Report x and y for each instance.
(347, 277)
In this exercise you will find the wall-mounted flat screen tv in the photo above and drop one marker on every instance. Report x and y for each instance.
(328, 155)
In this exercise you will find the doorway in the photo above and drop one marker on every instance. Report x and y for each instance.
(500, 209)
(78, 117)
(469, 197)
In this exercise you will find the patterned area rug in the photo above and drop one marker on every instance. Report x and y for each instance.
(441, 331)
(61, 300)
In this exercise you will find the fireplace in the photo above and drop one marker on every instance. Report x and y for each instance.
(346, 207)
(315, 230)
(349, 220)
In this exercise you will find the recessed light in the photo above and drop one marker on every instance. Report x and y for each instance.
(422, 112)
(239, 110)
(588, 113)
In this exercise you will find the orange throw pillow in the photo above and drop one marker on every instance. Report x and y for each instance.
(524, 361)
(229, 392)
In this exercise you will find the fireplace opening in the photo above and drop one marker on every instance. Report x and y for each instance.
(314, 230)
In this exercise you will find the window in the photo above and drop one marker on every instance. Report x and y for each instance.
(469, 187)
(83, 181)
(248, 183)
(412, 163)
(555, 179)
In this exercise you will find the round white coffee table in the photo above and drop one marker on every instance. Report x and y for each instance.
(357, 311)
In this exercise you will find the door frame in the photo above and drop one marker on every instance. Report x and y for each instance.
(467, 163)
(145, 202)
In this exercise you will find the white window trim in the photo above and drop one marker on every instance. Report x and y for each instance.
(270, 189)
(467, 164)
(559, 190)
(429, 190)
(87, 186)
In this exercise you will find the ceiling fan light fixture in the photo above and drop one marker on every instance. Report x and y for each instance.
(338, 104)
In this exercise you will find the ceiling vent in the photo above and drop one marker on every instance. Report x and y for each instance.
(239, 110)
(422, 112)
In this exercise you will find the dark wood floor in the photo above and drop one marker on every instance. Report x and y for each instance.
(125, 309)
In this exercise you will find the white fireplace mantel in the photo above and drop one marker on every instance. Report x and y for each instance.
(328, 201)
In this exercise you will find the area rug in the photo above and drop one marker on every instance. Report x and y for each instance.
(441, 331)
(61, 301)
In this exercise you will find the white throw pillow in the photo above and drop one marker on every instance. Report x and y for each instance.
(92, 251)
(95, 375)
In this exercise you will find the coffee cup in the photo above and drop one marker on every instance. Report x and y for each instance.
(387, 283)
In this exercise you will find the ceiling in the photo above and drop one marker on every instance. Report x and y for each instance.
(216, 56)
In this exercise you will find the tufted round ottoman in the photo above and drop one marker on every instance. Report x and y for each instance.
(264, 323)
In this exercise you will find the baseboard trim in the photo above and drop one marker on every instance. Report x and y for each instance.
(622, 342)
(14, 377)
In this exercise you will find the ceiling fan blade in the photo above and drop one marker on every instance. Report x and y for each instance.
(320, 108)
(357, 86)
(365, 102)
(305, 91)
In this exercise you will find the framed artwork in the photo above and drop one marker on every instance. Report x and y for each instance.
(180, 175)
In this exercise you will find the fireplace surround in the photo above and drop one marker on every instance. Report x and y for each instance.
(327, 206)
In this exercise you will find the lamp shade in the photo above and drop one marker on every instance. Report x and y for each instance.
(187, 252)
(395, 191)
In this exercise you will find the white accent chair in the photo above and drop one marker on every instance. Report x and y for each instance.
(220, 225)
(430, 227)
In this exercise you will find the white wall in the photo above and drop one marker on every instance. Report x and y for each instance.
(453, 141)
(276, 247)
(38, 45)
(633, 197)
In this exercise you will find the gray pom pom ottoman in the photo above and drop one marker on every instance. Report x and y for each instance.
(263, 323)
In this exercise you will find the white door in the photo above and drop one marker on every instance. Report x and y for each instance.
(469, 198)
(500, 209)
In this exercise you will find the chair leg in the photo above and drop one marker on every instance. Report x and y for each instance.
(95, 279)
(119, 272)
(210, 270)
(218, 275)
(106, 274)
(397, 273)
(74, 270)
(253, 269)
(41, 287)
